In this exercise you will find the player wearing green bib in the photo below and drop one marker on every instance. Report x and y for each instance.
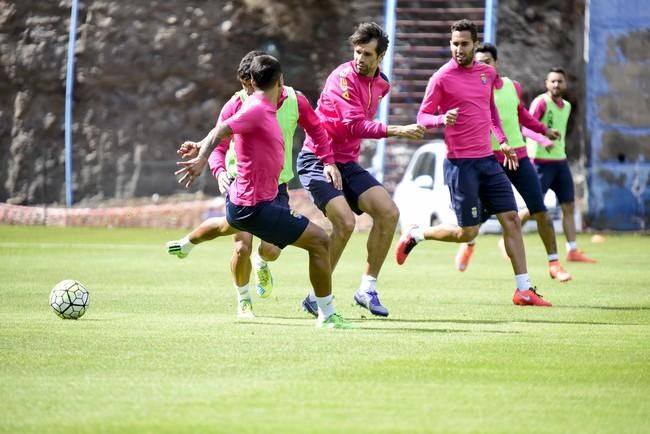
(513, 115)
(550, 161)
(293, 110)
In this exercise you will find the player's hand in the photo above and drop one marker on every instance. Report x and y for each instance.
(412, 131)
(191, 170)
(333, 175)
(224, 180)
(511, 162)
(188, 150)
(450, 117)
(553, 134)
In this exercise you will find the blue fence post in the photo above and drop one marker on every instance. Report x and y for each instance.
(387, 69)
(490, 26)
(69, 87)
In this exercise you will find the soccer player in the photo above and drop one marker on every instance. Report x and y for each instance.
(293, 110)
(513, 115)
(550, 161)
(250, 204)
(347, 107)
(461, 92)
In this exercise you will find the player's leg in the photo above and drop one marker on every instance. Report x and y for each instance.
(378, 204)
(240, 266)
(208, 230)
(496, 195)
(564, 190)
(338, 212)
(463, 182)
(267, 252)
(527, 183)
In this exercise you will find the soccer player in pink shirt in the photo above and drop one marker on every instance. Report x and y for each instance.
(347, 107)
(250, 204)
(293, 110)
(459, 96)
(551, 162)
(513, 115)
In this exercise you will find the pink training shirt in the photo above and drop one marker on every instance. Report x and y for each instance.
(259, 146)
(347, 107)
(307, 119)
(470, 90)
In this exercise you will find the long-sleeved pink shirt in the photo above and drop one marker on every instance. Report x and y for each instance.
(307, 119)
(470, 89)
(347, 107)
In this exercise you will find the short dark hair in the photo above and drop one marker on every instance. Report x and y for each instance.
(366, 32)
(244, 69)
(486, 47)
(265, 71)
(465, 26)
(557, 69)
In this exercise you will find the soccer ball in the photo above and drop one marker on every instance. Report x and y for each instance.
(69, 299)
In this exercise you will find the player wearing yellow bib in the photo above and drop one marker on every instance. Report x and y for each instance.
(513, 115)
(550, 161)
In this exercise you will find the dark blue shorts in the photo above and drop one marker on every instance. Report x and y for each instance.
(356, 181)
(527, 184)
(269, 221)
(479, 188)
(557, 177)
(282, 198)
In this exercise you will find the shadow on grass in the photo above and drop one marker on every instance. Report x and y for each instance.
(532, 321)
(380, 329)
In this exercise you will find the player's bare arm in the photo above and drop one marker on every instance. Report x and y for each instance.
(193, 168)
(412, 131)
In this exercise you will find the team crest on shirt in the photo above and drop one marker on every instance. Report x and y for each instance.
(483, 78)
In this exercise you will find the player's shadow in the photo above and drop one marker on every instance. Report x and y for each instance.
(359, 326)
(532, 321)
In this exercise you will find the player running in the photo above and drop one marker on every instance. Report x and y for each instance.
(551, 162)
(461, 92)
(513, 115)
(251, 204)
(347, 107)
(293, 110)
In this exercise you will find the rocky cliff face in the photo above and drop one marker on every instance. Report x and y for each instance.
(149, 75)
(152, 73)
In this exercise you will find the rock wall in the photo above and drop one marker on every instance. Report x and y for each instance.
(149, 75)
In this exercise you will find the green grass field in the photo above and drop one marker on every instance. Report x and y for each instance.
(160, 349)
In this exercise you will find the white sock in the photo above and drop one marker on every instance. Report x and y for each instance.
(523, 282)
(325, 306)
(186, 244)
(418, 234)
(553, 257)
(242, 292)
(368, 283)
(571, 246)
(312, 295)
(257, 260)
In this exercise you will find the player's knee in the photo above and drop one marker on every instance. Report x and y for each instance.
(391, 216)
(467, 234)
(567, 208)
(319, 242)
(344, 225)
(269, 252)
(243, 249)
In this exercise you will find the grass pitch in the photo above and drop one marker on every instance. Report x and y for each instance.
(160, 349)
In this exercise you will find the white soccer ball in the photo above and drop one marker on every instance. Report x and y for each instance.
(69, 299)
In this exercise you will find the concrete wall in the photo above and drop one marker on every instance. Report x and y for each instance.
(618, 114)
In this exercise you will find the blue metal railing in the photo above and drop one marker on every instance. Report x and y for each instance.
(69, 87)
(387, 69)
(490, 27)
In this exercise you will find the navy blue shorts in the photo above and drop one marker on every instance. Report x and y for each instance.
(269, 221)
(557, 177)
(356, 181)
(525, 180)
(282, 198)
(479, 188)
